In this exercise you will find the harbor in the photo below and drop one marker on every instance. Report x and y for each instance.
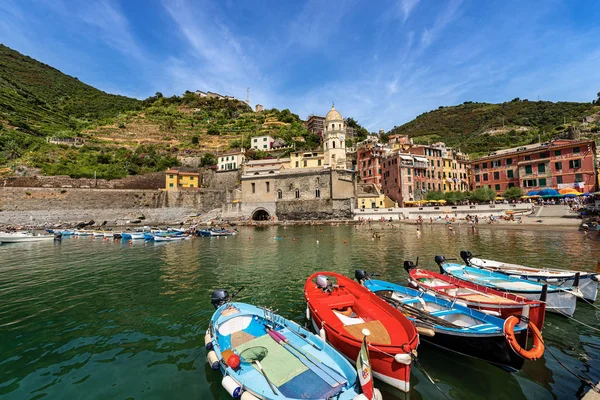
(116, 318)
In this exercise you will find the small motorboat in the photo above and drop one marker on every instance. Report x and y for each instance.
(478, 297)
(24, 237)
(265, 356)
(202, 232)
(109, 235)
(67, 232)
(560, 300)
(222, 232)
(455, 327)
(173, 238)
(83, 233)
(344, 311)
(588, 281)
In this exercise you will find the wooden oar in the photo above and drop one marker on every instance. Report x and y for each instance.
(421, 315)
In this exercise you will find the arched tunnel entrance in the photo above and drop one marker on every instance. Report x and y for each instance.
(260, 214)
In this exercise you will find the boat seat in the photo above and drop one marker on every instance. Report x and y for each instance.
(444, 287)
(379, 334)
(339, 301)
(240, 337)
(441, 313)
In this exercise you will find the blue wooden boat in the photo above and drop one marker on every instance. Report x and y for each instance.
(588, 281)
(299, 366)
(561, 300)
(452, 326)
(202, 232)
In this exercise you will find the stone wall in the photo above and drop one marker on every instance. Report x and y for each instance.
(147, 181)
(314, 209)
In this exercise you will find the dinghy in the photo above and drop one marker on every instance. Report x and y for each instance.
(170, 238)
(222, 232)
(24, 237)
(478, 297)
(265, 356)
(588, 281)
(455, 327)
(341, 312)
(560, 300)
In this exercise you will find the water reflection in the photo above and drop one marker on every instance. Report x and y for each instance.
(104, 319)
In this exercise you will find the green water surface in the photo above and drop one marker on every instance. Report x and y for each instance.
(94, 319)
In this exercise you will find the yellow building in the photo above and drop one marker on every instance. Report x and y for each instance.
(176, 180)
(368, 196)
(306, 159)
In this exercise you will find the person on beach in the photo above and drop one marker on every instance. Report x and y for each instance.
(418, 233)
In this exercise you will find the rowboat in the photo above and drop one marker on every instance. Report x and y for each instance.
(560, 300)
(203, 232)
(265, 356)
(452, 326)
(341, 311)
(222, 232)
(478, 297)
(588, 281)
(83, 233)
(23, 237)
(174, 238)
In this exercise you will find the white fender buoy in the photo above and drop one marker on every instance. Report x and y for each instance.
(403, 358)
(208, 341)
(323, 335)
(248, 396)
(376, 395)
(307, 312)
(232, 387)
(212, 360)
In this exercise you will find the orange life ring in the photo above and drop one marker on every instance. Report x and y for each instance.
(536, 352)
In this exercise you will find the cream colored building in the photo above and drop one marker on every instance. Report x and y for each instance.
(262, 143)
(229, 161)
(369, 196)
(307, 159)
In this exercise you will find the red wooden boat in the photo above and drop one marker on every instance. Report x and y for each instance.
(341, 309)
(479, 297)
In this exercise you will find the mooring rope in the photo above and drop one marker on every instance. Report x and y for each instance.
(583, 379)
(430, 378)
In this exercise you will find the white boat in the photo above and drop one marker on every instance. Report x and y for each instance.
(98, 234)
(136, 235)
(23, 237)
(588, 281)
(109, 235)
(170, 238)
(83, 233)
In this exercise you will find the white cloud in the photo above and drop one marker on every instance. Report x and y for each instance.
(407, 6)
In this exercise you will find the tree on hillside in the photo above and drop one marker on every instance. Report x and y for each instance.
(513, 193)
(12, 150)
(208, 159)
(598, 100)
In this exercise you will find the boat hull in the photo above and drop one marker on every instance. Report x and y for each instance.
(512, 305)
(560, 301)
(393, 337)
(25, 239)
(383, 366)
(588, 282)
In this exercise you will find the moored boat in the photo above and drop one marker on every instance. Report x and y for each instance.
(265, 356)
(478, 297)
(455, 327)
(174, 238)
(560, 300)
(342, 311)
(24, 237)
(222, 232)
(588, 281)
(83, 233)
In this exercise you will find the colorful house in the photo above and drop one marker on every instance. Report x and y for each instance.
(177, 180)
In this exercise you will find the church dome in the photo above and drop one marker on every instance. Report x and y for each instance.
(333, 115)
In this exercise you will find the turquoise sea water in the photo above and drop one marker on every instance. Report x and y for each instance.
(91, 319)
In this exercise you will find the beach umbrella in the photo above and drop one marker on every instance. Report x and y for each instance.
(570, 191)
(525, 197)
(586, 194)
(570, 195)
(548, 192)
(533, 193)
(442, 201)
(499, 198)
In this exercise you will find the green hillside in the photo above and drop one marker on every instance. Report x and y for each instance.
(483, 127)
(42, 100)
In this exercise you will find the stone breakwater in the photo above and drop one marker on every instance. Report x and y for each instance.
(38, 206)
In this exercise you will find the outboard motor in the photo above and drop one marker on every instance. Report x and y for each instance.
(466, 255)
(323, 282)
(408, 265)
(361, 275)
(219, 297)
(439, 260)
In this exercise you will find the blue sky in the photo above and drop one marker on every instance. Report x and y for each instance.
(383, 62)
